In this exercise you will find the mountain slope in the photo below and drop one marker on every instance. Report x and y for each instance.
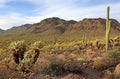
(56, 27)
(92, 28)
(51, 25)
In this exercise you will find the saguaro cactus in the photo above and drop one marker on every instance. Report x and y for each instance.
(84, 40)
(108, 26)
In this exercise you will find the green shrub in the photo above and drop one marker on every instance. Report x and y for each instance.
(73, 66)
(114, 55)
(55, 68)
(56, 65)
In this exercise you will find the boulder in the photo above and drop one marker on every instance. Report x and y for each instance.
(117, 71)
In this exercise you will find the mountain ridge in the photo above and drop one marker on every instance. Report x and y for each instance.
(55, 21)
(50, 27)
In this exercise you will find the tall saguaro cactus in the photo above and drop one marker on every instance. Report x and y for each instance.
(108, 26)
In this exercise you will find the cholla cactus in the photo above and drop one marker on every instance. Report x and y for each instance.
(37, 45)
(30, 56)
(17, 49)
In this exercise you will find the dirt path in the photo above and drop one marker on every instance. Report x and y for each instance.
(90, 73)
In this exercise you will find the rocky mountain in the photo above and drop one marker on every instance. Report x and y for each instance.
(94, 26)
(55, 26)
(51, 25)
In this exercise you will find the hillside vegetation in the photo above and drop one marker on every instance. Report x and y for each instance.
(59, 49)
(51, 29)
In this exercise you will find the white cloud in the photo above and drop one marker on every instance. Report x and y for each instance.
(68, 10)
(78, 13)
(58, 8)
(11, 20)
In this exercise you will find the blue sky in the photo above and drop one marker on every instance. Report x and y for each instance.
(18, 12)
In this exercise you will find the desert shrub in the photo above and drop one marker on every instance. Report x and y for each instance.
(114, 55)
(56, 65)
(49, 64)
(48, 47)
(41, 66)
(111, 59)
(17, 49)
(57, 49)
(55, 68)
(7, 73)
(74, 66)
(101, 63)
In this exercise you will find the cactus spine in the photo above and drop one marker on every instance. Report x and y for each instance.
(108, 26)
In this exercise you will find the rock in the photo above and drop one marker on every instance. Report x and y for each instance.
(73, 76)
(117, 71)
(12, 64)
(4, 72)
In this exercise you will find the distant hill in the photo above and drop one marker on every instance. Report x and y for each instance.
(1, 30)
(60, 28)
